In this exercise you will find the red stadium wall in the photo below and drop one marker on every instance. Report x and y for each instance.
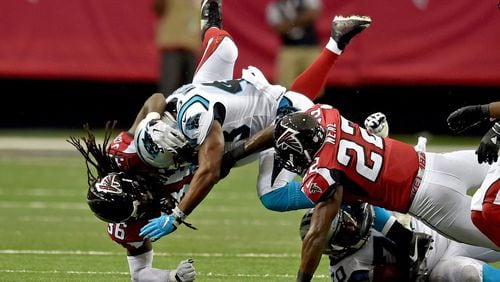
(410, 41)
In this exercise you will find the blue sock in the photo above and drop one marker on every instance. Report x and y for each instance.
(286, 198)
(382, 216)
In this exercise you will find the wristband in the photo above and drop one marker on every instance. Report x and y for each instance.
(179, 218)
(238, 152)
(485, 110)
(178, 214)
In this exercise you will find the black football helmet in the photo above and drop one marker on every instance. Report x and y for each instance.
(349, 230)
(117, 198)
(297, 138)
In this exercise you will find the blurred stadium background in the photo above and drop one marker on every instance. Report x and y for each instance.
(64, 63)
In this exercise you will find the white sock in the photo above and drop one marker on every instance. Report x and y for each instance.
(332, 46)
(141, 269)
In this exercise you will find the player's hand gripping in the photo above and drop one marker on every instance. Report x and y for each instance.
(185, 272)
(467, 117)
(165, 134)
(490, 143)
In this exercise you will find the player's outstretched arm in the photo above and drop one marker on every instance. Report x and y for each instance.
(316, 238)
(208, 172)
(205, 177)
(260, 141)
(467, 117)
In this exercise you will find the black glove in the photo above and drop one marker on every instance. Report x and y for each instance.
(490, 143)
(467, 117)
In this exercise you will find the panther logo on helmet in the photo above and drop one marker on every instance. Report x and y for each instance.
(148, 151)
(150, 146)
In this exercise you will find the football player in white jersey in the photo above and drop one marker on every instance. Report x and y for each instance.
(215, 116)
(359, 253)
(217, 63)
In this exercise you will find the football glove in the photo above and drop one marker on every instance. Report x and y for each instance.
(164, 225)
(467, 117)
(159, 227)
(490, 143)
(376, 124)
(165, 134)
(185, 272)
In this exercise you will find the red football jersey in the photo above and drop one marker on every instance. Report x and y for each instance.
(380, 171)
(123, 149)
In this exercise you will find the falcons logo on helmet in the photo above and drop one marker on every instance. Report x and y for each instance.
(109, 184)
(289, 140)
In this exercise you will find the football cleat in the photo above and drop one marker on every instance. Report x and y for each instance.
(419, 248)
(211, 15)
(345, 28)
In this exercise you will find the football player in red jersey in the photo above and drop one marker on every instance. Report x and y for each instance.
(126, 200)
(119, 164)
(485, 206)
(341, 161)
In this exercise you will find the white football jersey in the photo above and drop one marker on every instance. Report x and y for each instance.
(379, 250)
(237, 104)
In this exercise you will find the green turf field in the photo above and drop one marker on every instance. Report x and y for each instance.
(47, 233)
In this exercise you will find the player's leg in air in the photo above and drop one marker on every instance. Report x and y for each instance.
(312, 80)
(219, 51)
(485, 207)
(276, 187)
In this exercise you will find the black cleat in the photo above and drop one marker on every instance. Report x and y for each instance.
(345, 28)
(211, 15)
(419, 248)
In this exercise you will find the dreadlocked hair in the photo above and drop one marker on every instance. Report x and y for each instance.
(96, 156)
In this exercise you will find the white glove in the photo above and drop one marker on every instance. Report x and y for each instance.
(421, 145)
(166, 136)
(376, 124)
(185, 272)
(259, 81)
(149, 117)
